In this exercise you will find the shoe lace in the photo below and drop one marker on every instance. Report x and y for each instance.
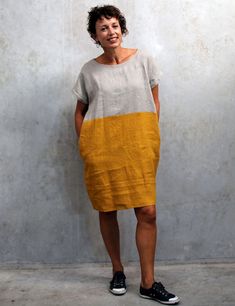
(118, 279)
(159, 286)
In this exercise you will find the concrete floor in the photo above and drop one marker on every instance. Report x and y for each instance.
(196, 284)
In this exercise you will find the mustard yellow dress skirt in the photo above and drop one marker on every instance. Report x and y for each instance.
(121, 155)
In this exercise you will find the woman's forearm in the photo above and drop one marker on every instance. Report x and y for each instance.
(78, 123)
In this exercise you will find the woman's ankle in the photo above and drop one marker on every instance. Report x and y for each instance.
(118, 268)
(147, 283)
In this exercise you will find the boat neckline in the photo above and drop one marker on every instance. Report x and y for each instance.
(117, 65)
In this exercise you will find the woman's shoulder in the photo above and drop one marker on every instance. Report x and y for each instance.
(86, 67)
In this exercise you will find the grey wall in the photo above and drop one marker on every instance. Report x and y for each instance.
(45, 214)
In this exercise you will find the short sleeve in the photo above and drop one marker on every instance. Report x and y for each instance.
(154, 72)
(79, 89)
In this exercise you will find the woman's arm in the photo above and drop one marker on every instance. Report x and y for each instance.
(156, 99)
(80, 112)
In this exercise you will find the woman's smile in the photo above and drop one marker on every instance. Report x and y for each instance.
(113, 39)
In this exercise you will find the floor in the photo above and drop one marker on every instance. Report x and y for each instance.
(197, 284)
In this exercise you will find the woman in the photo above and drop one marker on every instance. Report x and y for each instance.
(116, 121)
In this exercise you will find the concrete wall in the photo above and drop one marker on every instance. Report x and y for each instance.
(45, 214)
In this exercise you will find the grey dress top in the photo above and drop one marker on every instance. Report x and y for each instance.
(118, 89)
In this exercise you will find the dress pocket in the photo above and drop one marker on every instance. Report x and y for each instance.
(158, 132)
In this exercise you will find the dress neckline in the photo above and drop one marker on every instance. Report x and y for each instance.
(118, 65)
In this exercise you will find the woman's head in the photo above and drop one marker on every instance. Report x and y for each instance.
(105, 22)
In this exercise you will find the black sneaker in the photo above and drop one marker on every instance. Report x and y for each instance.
(118, 284)
(158, 293)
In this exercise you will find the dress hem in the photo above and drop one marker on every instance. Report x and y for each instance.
(123, 208)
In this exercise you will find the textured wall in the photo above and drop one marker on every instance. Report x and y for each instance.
(45, 214)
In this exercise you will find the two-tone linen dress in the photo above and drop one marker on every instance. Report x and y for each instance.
(120, 137)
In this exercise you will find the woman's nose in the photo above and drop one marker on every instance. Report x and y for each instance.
(111, 30)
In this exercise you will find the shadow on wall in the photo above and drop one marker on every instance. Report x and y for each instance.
(89, 246)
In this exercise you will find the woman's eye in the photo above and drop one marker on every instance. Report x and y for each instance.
(116, 26)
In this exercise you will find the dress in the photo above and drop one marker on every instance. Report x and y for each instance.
(120, 137)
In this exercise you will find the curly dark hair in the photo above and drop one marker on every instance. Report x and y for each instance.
(107, 11)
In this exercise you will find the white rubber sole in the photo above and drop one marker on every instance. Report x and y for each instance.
(118, 291)
(173, 301)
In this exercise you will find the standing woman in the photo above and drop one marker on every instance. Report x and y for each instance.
(116, 120)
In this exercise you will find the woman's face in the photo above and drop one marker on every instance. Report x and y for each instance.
(108, 32)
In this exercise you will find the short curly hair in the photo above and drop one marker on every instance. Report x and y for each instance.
(107, 11)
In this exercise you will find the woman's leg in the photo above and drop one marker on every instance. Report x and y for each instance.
(110, 233)
(146, 240)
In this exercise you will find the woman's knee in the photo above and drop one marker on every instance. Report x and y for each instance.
(147, 214)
